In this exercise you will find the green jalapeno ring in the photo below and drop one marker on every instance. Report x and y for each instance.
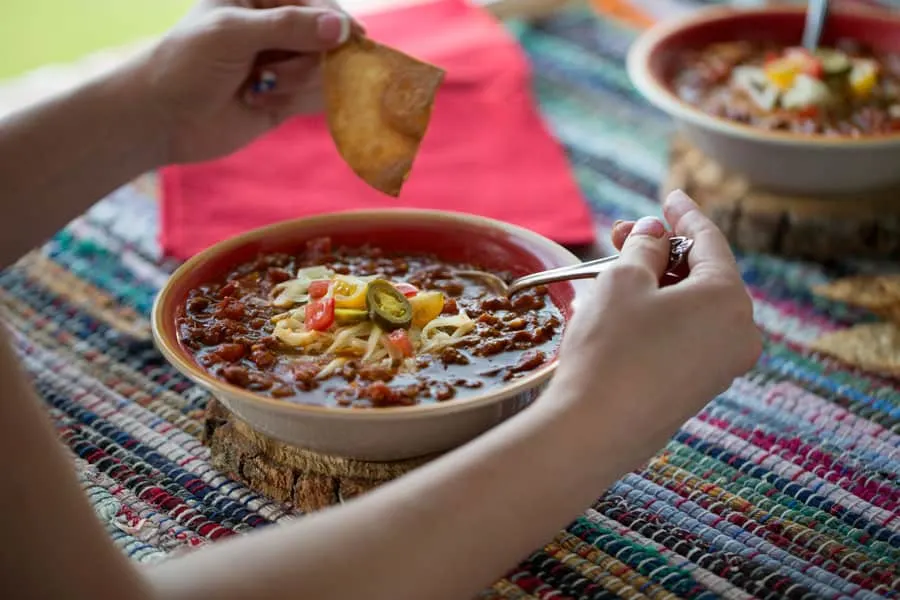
(388, 307)
(350, 316)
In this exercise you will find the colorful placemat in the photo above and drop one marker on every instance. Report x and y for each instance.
(786, 486)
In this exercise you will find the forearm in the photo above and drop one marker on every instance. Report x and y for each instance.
(446, 530)
(63, 155)
(54, 546)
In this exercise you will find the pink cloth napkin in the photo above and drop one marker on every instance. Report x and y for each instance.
(487, 150)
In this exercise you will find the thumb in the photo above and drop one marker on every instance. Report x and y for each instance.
(647, 246)
(287, 28)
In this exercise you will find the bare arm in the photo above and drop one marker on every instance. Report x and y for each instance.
(453, 526)
(447, 530)
(188, 99)
(53, 545)
(444, 531)
(59, 158)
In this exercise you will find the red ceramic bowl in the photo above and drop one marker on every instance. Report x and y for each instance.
(385, 433)
(780, 161)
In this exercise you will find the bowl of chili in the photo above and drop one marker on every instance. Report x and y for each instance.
(368, 334)
(741, 89)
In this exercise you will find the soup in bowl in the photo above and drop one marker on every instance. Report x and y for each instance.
(741, 89)
(368, 334)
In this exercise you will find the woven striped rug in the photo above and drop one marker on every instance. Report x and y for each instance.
(786, 486)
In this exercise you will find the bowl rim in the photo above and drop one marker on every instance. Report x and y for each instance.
(170, 348)
(660, 95)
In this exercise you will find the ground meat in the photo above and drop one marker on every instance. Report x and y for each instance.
(350, 370)
(525, 301)
(206, 336)
(379, 394)
(318, 249)
(277, 275)
(230, 289)
(492, 346)
(452, 356)
(280, 390)
(450, 307)
(529, 361)
(198, 304)
(496, 303)
(488, 319)
(304, 371)
(263, 358)
(521, 337)
(452, 288)
(375, 373)
(542, 334)
(443, 391)
(468, 383)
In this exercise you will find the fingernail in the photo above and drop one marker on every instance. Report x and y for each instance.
(333, 27)
(266, 82)
(616, 224)
(677, 198)
(649, 226)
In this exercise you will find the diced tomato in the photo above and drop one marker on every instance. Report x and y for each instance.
(805, 61)
(318, 288)
(401, 342)
(813, 68)
(407, 289)
(808, 112)
(320, 314)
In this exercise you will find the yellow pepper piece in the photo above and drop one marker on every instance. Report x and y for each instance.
(781, 73)
(349, 293)
(863, 78)
(426, 307)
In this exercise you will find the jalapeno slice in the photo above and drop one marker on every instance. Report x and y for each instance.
(388, 307)
(349, 316)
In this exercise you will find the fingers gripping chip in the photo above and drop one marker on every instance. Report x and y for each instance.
(378, 103)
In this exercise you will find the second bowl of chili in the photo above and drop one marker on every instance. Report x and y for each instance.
(741, 89)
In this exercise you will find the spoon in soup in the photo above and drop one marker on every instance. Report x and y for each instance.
(678, 251)
(816, 13)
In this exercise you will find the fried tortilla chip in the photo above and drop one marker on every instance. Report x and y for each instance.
(879, 294)
(873, 347)
(378, 103)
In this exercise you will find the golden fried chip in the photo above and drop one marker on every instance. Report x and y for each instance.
(879, 294)
(378, 103)
(870, 346)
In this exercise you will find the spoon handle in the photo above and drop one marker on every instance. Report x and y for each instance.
(679, 248)
(816, 13)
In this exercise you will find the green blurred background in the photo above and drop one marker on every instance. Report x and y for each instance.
(38, 32)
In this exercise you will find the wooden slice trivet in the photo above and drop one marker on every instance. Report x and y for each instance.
(307, 480)
(865, 225)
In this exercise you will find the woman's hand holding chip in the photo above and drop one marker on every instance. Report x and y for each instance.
(233, 69)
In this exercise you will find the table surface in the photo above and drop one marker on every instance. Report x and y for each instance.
(787, 485)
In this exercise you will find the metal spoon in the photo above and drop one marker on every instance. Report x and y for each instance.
(680, 246)
(816, 13)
